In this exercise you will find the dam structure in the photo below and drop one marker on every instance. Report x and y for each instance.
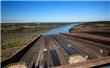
(65, 50)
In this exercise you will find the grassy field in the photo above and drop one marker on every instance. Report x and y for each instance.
(14, 43)
(16, 35)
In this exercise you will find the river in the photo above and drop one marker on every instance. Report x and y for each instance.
(58, 30)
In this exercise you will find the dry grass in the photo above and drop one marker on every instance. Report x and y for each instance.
(12, 45)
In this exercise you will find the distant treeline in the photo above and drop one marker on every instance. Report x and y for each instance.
(14, 27)
(95, 22)
(37, 23)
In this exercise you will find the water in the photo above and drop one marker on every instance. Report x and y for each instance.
(59, 30)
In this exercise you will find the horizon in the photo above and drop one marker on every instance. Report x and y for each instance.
(54, 11)
(60, 22)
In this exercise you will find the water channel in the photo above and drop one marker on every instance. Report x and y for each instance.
(59, 30)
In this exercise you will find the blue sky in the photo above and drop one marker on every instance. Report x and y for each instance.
(54, 11)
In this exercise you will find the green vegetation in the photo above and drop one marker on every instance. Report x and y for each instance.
(13, 44)
(14, 36)
(19, 27)
(92, 25)
(79, 27)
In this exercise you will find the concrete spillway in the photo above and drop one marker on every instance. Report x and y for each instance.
(56, 50)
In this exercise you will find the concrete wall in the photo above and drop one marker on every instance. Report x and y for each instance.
(16, 57)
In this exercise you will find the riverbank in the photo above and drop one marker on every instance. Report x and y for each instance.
(91, 26)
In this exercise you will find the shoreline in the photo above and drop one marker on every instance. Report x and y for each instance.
(91, 26)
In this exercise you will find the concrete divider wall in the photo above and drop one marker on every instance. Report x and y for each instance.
(16, 57)
(107, 42)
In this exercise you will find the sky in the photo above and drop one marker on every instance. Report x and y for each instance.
(54, 0)
(54, 11)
